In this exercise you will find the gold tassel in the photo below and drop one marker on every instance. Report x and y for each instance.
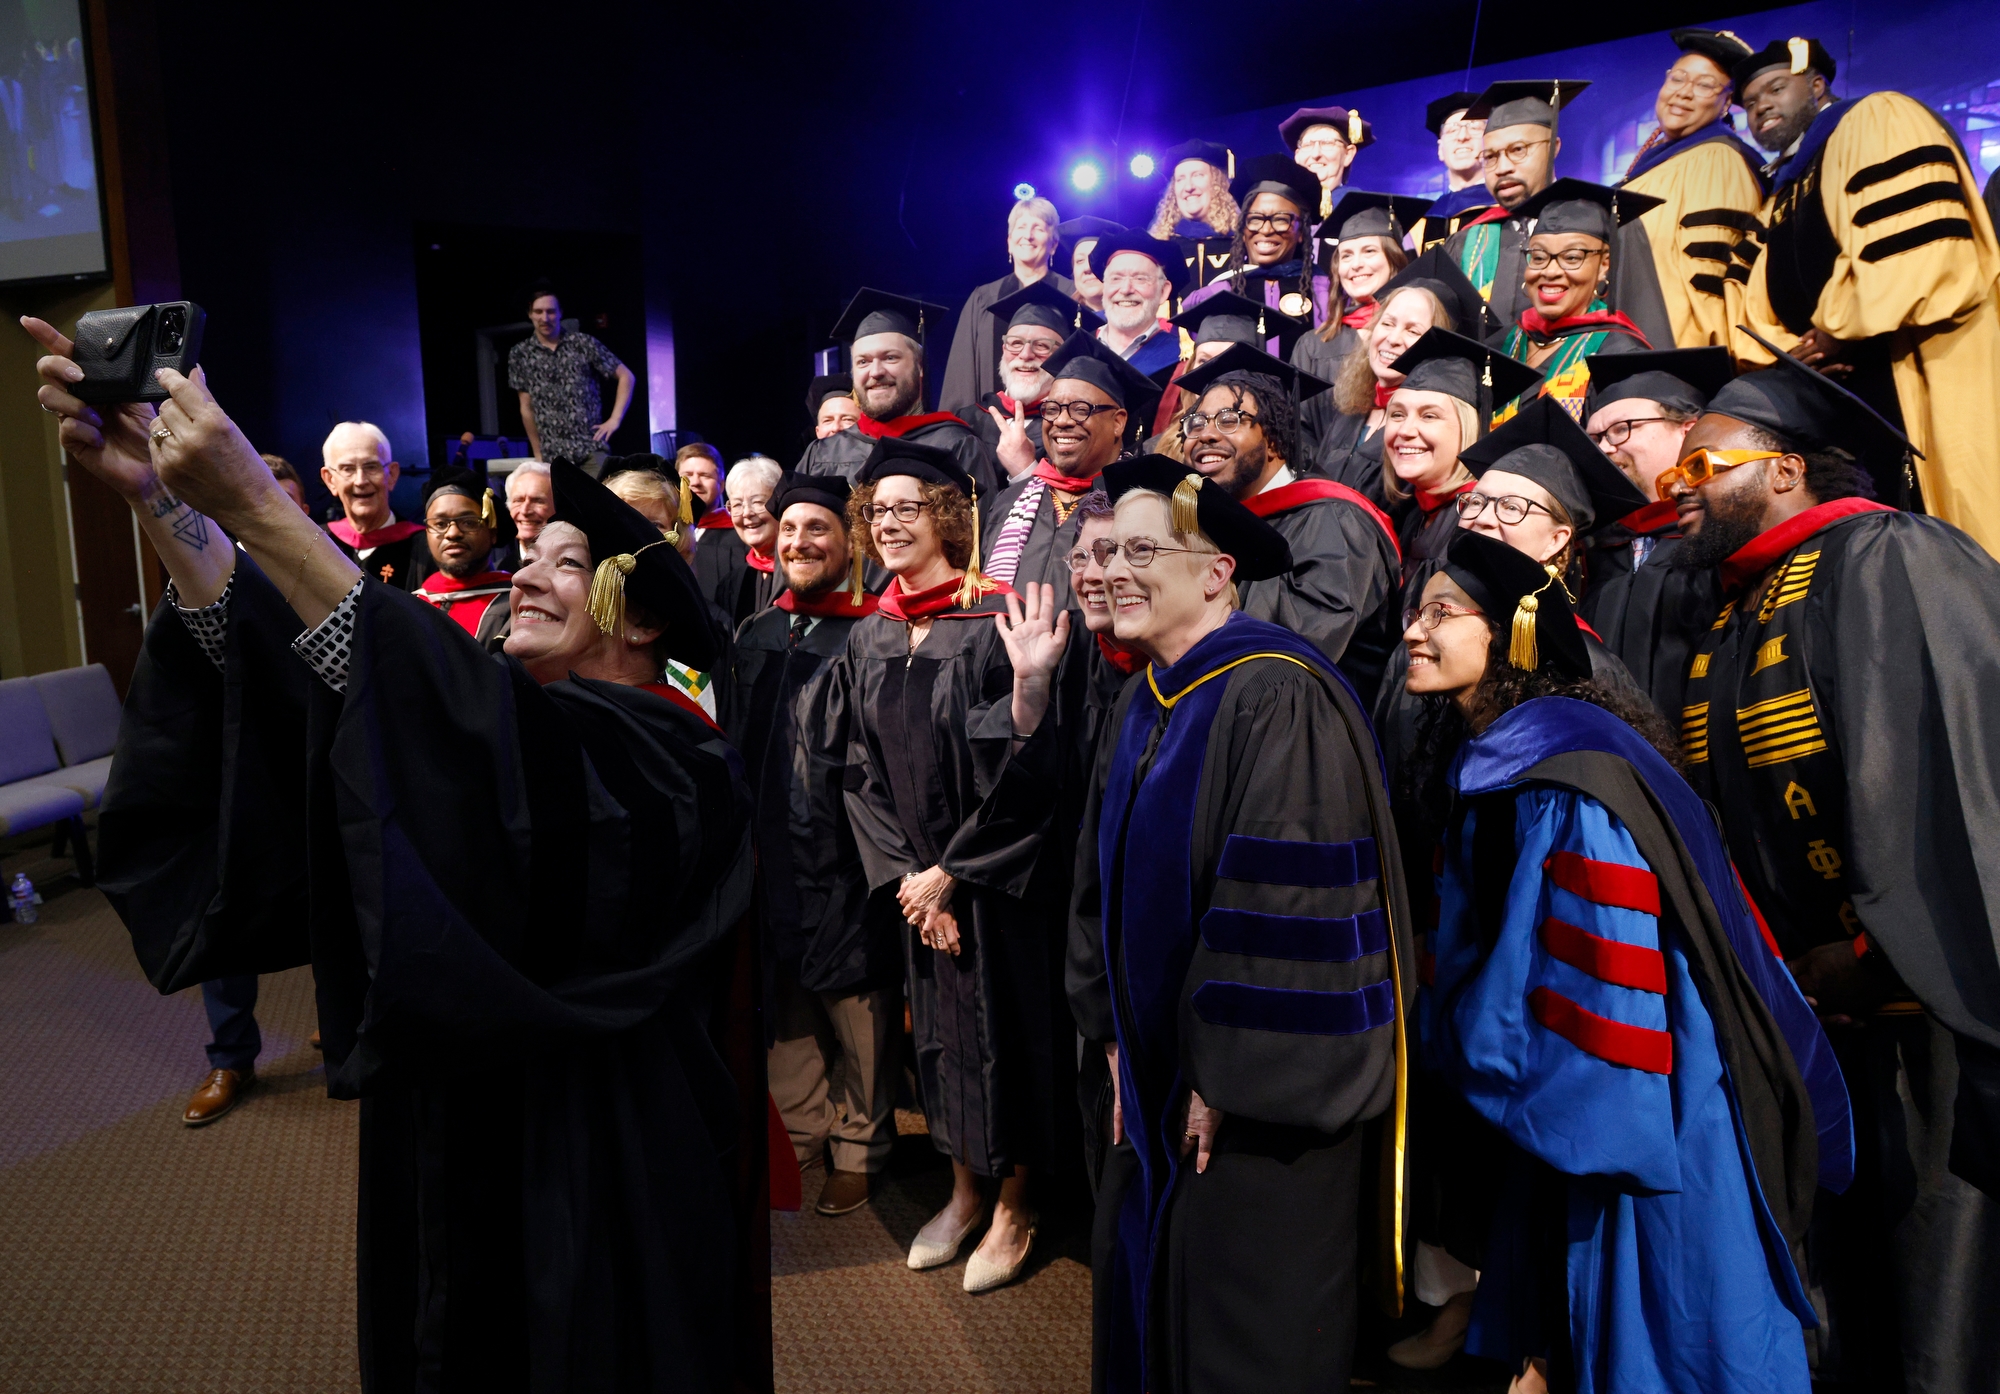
(1556, 109)
(974, 585)
(855, 589)
(486, 512)
(607, 589)
(1353, 126)
(1801, 55)
(1186, 506)
(1325, 202)
(1521, 648)
(1232, 164)
(683, 515)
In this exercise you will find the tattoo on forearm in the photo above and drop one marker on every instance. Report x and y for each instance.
(190, 529)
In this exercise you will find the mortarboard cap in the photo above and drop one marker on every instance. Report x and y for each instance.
(829, 491)
(1225, 315)
(830, 385)
(468, 483)
(633, 561)
(1042, 304)
(1437, 112)
(1086, 359)
(1247, 358)
(1682, 379)
(1477, 374)
(1346, 120)
(894, 455)
(1260, 550)
(1359, 213)
(878, 312)
(1207, 151)
(1280, 175)
(1512, 588)
(1793, 55)
(1577, 205)
(1165, 255)
(1086, 226)
(1439, 274)
(1719, 46)
(1534, 102)
(1809, 409)
(1543, 443)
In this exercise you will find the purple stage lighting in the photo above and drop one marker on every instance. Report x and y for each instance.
(1142, 166)
(1024, 190)
(1085, 176)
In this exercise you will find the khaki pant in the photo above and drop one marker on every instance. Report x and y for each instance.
(833, 1071)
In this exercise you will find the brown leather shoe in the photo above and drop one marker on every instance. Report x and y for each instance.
(313, 1041)
(844, 1191)
(219, 1093)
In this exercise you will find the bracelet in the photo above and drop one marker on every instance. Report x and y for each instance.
(299, 575)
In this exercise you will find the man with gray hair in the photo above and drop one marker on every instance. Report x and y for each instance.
(738, 566)
(973, 369)
(531, 503)
(356, 469)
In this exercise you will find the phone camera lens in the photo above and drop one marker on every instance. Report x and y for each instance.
(173, 330)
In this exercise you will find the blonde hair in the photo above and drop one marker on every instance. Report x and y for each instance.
(1042, 209)
(1354, 384)
(1468, 432)
(1222, 214)
(1197, 541)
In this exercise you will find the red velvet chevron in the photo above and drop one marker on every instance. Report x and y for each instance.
(1606, 883)
(1607, 960)
(1635, 1047)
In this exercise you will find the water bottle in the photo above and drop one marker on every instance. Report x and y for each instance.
(22, 899)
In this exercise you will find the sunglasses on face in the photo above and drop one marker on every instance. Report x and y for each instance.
(1703, 465)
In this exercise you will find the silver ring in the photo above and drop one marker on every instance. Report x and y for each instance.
(162, 434)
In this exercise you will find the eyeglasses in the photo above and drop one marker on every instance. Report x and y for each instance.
(1434, 614)
(1515, 153)
(1703, 465)
(1274, 222)
(906, 511)
(1139, 551)
(1145, 282)
(1569, 260)
(1079, 412)
(458, 522)
(1037, 349)
(1618, 432)
(1229, 419)
(368, 471)
(1703, 86)
(748, 505)
(1322, 145)
(1508, 508)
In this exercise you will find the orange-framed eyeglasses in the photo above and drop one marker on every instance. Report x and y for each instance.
(1703, 465)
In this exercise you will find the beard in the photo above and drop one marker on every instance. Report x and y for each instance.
(898, 401)
(1729, 526)
(464, 568)
(1781, 136)
(1239, 476)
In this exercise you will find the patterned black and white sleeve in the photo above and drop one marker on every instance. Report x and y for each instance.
(209, 623)
(327, 646)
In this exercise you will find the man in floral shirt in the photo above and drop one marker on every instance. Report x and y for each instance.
(557, 374)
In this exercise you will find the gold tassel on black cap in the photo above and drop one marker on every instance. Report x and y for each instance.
(1185, 507)
(855, 588)
(487, 513)
(1521, 647)
(683, 515)
(607, 589)
(975, 584)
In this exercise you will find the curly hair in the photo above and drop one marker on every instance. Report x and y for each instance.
(1222, 214)
(1423, 788)
(951, 514)
(1275, 411)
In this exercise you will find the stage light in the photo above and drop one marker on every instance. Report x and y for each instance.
(1086, 176)
(1142, 166)
(1024, 191)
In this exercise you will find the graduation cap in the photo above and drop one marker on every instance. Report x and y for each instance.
(1043, 305)
(1534, 102)
(663, 469)
(1086, 359)
(1280, 175)
(1719, 46)
(1437, 112)
(1680, 379)
(1248, 358)
(1477, 374)
(828, 385)
(878, 312)
(1437, 272)
(829, 491)
(1200, 505)
(1809, 409)
(894, 455)
(1356, 132)
(465, 483)
(1079, 228)
(1359, 213)
(1225, 315)
(1543, 443)
(1504, 582)
(1793, 55)
(634, 560)
(1577, 205)
(1207, 151)
(1169, 258)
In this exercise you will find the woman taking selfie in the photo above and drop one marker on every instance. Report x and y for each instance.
(1652, 1103)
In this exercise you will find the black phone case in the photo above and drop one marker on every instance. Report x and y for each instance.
(119, 351)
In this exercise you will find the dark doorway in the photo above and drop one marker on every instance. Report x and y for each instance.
(472, 307)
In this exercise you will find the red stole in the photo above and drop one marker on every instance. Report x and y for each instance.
(1492, 215)
(1056, 479)
(1533, 323)
(1431, 503)
(1756, 556)
(759, 562)
(1383, 392)
(902, 425)
(379, 537)
(1651, 518)
(941, 599)
(1358, 317)
(715, 518)
(1124, 660)
(835, 604)
(683, 701)
(1301, 491)
(443, 591)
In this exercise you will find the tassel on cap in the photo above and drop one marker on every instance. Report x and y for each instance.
(1185, 507)
(1353, 126)
(683, 514)
(855, 588)
(1232, 163)
(487, 514)
(974, 585)
(1555, 112)
(607, 588)
(1521, 647)
(1801, 54)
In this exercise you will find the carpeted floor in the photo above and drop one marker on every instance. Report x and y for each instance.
(138, 1256)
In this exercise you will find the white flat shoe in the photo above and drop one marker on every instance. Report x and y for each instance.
(925, 1253)
(984, 1276)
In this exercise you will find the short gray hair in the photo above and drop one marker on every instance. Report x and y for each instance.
(526, 467)
(755, 470)
(367, 428)
(1042, 209)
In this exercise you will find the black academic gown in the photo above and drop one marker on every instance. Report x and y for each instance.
(820, 925)
(1842, 727)
(973, 369)
(403, 563)
(1351, 454)
(988, 430)
(845, 452)
(1343, 594)
(1322, 358)
(735, 588)
(1653, 614)
(1249, 944)
(513, 898)
(930, 735)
